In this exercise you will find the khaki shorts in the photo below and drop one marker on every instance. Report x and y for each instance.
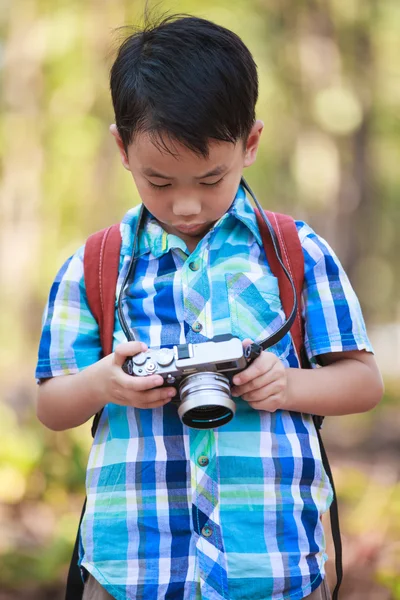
(94, 591)
(321, 593)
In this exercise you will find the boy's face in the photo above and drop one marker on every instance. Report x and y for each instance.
(185, 192)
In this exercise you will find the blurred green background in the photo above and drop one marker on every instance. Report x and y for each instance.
(330, 154)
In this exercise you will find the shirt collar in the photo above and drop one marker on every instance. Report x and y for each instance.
(242, 210)
(153, 238)
(157, 240)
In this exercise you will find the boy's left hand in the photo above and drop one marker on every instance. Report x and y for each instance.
(263, 384)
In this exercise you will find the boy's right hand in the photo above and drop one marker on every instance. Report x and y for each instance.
(127, 390)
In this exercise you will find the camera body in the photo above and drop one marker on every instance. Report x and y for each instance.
(223, 354)
(201, 373)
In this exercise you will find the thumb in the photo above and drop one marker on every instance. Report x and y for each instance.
(122, 351)
(246, 342)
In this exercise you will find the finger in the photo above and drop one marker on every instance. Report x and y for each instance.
(260, 366)
(246, 342)
(257, 383)
(264, 393)
(147, 399)
(152, 397)
(272, 404)
(140, 384)
(122, 351)
(267, 377)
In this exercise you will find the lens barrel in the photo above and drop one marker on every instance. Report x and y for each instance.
(206, 401)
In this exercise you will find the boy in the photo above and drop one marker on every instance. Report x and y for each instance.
(174, 512)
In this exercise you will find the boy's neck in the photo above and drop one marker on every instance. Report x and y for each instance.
(191, 242)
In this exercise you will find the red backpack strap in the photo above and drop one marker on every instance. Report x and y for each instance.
(292, 255)
(101, 267)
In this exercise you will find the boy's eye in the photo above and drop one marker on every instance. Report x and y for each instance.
(165, 185)
(159, 187)
(215, 182)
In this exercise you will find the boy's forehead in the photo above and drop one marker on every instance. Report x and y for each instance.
(153, 155)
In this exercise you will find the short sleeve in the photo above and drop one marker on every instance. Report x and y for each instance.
(70, 338)
(331, 310)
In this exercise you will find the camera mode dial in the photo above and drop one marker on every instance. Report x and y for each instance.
(164, 357)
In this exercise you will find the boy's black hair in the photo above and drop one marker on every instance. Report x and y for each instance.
(184, 79)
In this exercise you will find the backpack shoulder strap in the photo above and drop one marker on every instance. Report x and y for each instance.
(101, 266)
(292, 256)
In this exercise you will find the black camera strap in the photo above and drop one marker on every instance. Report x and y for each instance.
(129, 334)
(268, 342)
(286, 326)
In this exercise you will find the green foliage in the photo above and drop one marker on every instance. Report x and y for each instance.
(21, 568)
(329, 97)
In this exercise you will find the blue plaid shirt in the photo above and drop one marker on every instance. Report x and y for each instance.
(182, 514)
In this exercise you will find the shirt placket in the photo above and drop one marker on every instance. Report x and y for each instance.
(196, 296)
(210, 553)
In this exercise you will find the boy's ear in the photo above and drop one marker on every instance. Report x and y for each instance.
(124, 158)
(252, 143)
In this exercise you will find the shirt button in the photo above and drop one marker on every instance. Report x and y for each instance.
(194, 266)
(197, 327)
(203, 460)
(207, 531)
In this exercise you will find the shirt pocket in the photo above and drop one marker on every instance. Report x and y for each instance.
(255, 308)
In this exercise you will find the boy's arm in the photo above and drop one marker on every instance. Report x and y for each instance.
(334, 337)
(349, 382)
(70, 400)
(75, 382)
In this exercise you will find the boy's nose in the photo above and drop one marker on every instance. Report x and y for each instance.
(186, 207)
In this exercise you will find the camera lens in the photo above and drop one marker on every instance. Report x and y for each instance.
(206, 401)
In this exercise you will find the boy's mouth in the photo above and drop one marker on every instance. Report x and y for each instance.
(183, 228)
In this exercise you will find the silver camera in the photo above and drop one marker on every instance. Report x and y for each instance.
(201, 373)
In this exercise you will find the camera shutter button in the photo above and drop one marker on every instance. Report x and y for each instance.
(139, 359)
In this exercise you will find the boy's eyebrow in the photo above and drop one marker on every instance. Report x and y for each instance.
(213, 173)
(151, 173)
